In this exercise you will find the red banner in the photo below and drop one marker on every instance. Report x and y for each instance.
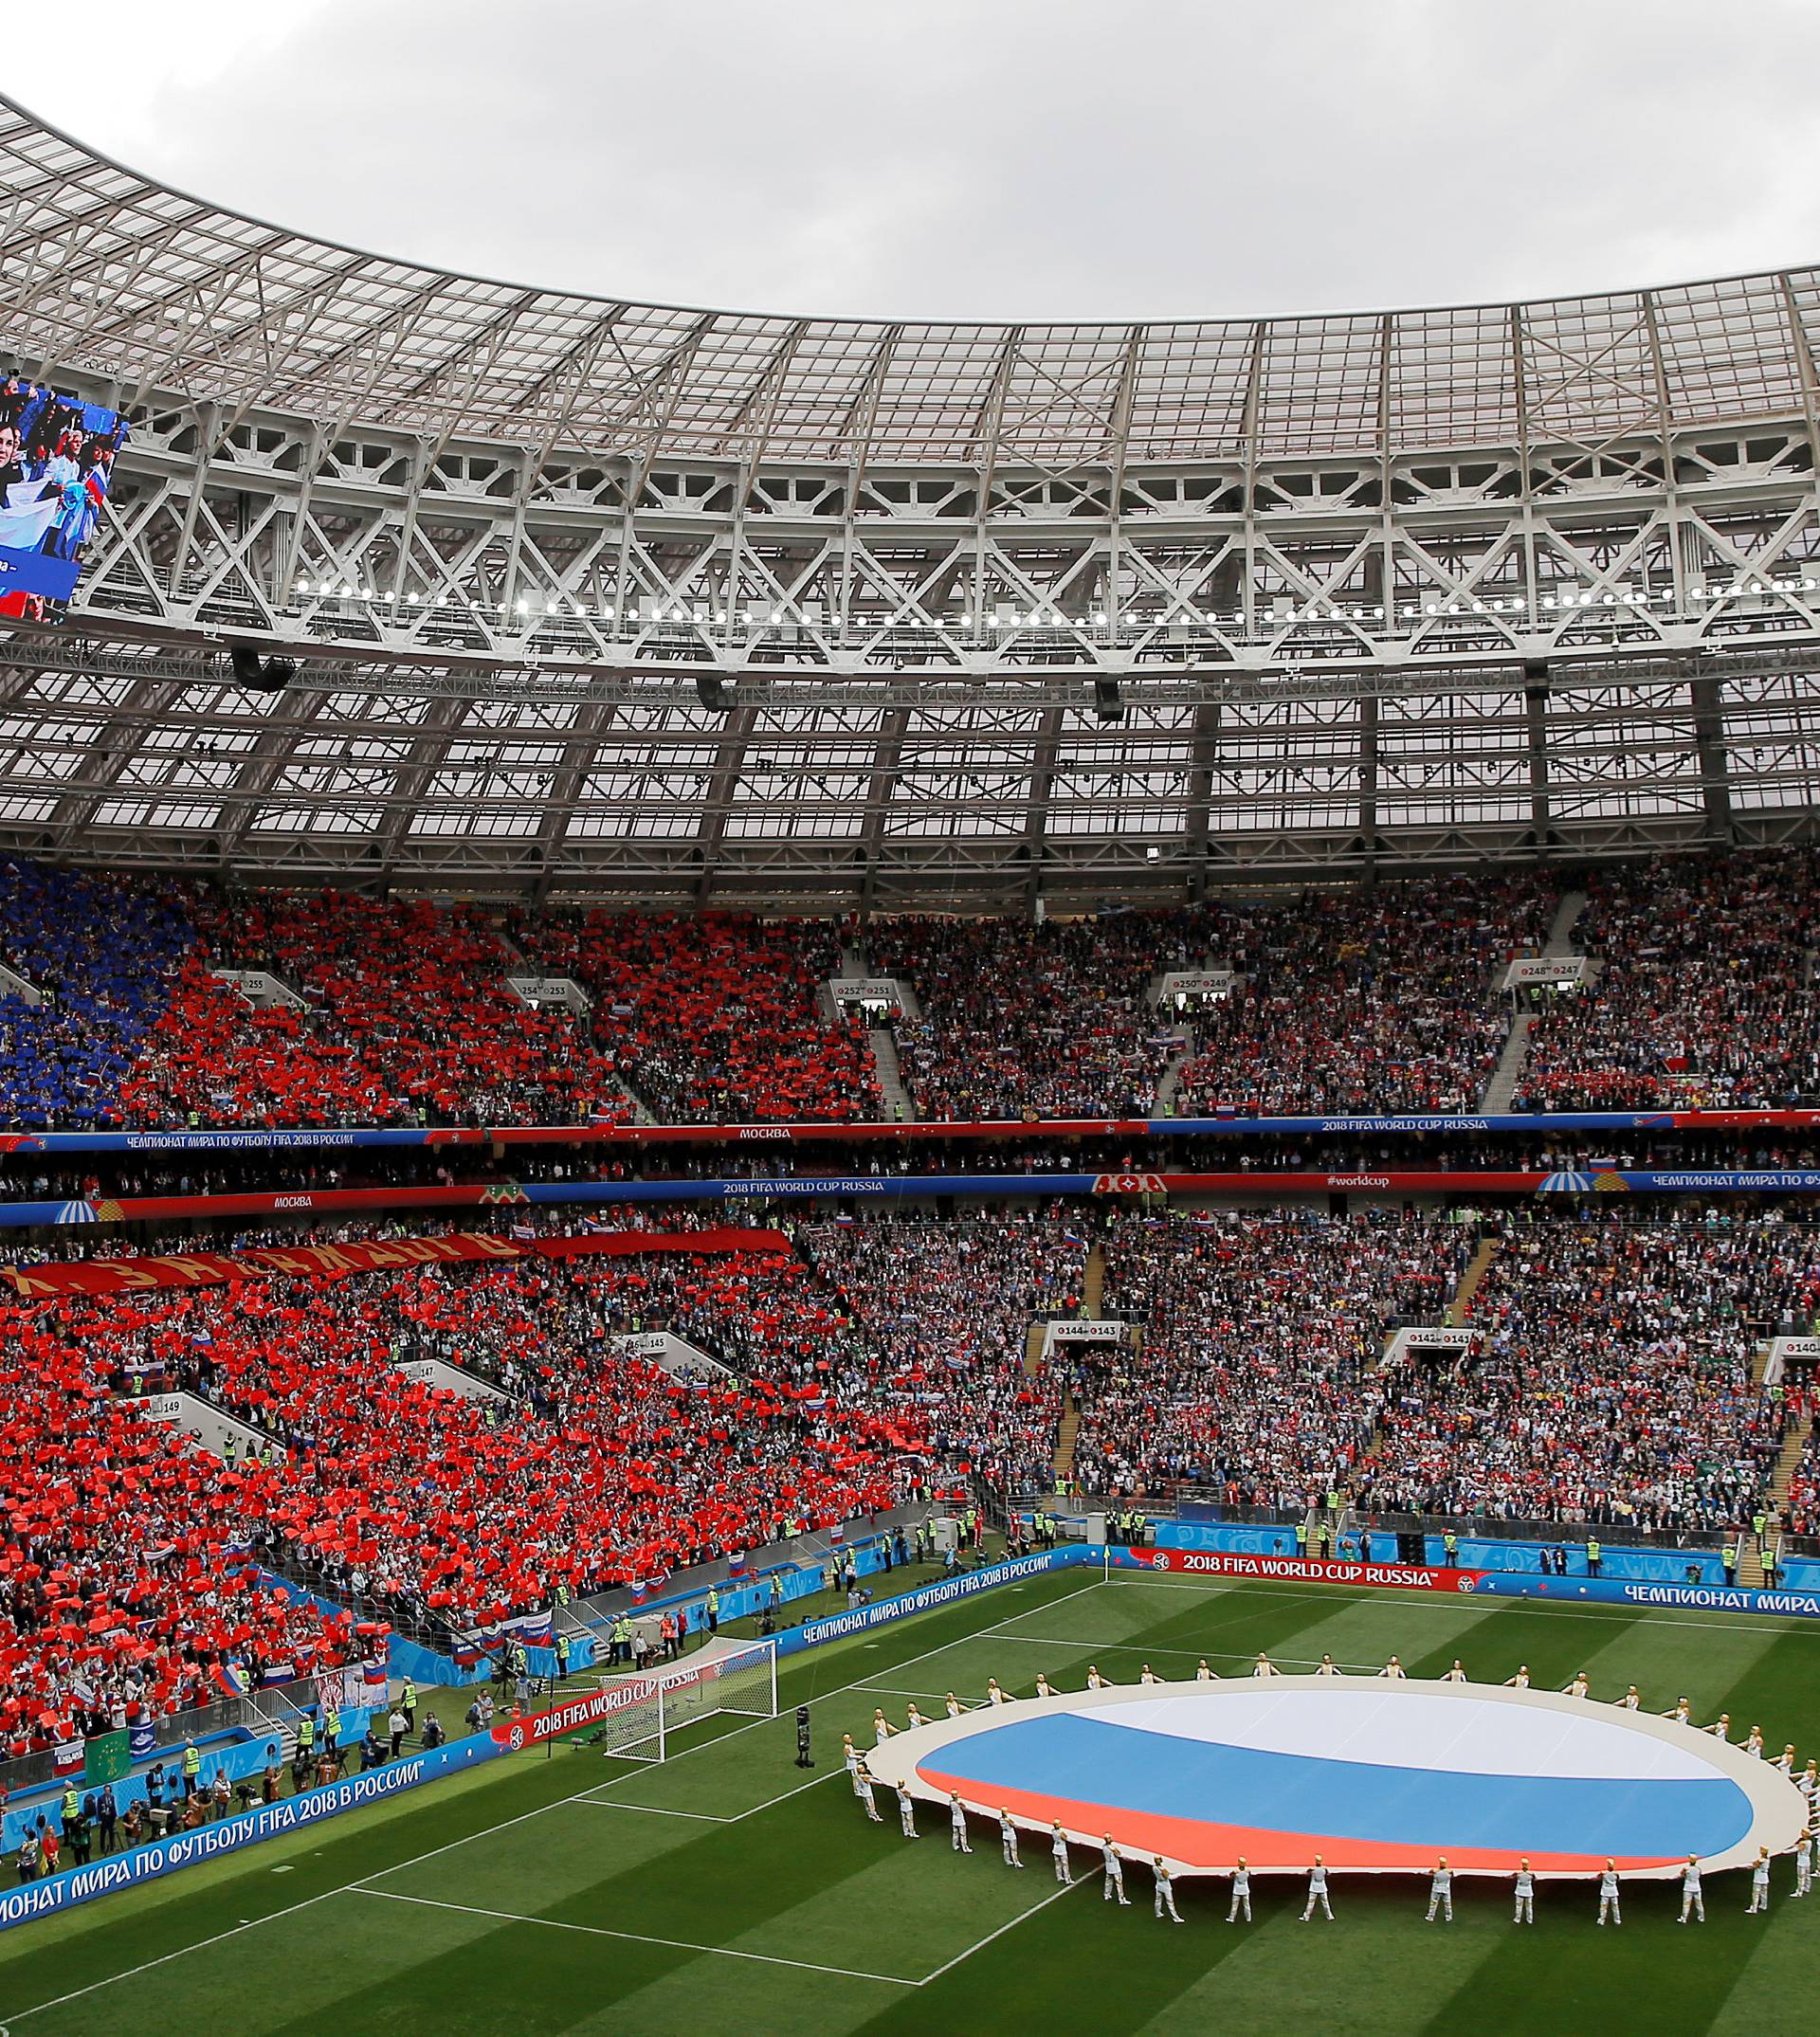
(205, 1269)
(602, 1703)
(1305, 1569)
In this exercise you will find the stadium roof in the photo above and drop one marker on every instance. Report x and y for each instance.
(158, 290)
(699, 605)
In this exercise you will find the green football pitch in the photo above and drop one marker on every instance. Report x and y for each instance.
(726, 1891)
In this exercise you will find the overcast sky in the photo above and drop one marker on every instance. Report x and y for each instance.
(992, 158)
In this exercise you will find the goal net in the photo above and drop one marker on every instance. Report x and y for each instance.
(634, 1718)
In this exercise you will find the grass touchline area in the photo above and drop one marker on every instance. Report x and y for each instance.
(742, 1893)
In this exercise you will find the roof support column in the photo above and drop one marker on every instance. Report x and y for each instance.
(1541, 818)
(1707, 689)
(1203, 761)
(1036, 818)
(1368, 787)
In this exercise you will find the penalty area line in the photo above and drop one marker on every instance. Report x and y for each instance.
(642, 1938)
(251, 1923)
(949, 1965)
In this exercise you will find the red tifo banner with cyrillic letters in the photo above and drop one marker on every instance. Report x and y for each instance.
(206, 1269)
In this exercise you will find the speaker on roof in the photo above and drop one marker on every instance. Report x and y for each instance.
(257, 674)
(714, 693)
(1108, 703)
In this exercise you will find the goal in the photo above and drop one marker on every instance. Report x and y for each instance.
(634, 1718)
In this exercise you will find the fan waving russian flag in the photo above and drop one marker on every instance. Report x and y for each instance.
(1376, 1776)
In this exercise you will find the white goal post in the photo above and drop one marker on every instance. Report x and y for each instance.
(632, 1716)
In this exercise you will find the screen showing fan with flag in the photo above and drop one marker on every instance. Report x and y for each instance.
(56, 455)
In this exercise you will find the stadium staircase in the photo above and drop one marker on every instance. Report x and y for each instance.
(1477, 1267)
(1750, 1564)
(1065, 1436)
(1093, 1283)
(1170, 1078)
(1515, 1058)
(1511, 1063)
(640, 1102)
(895, 1106)
(1093, 1287)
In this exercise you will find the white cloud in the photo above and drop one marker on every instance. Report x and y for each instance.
(1019, 159)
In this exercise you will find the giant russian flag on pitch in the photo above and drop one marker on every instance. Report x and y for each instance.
(1373, 1776)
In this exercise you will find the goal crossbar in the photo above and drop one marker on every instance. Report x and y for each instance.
(634, 1717)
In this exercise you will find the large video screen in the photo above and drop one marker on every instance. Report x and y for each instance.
(57, 457)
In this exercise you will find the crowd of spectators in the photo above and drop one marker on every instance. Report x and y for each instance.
(1613, 1384)
(124, 1581)
(1704, 994)
(1260, 1339)
(715, 1018)
(1020, 1021)
(96, 953)
(406, 1019)
(1367, 1001)
(940, 1315)
(589, 1467)
(1354, 1002)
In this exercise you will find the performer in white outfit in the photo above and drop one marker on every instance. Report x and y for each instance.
(1441, 1890)
(1044, 1687)
(850, 1755)
(1058, 1849)
(1113, 1867)
(1265, 1667)
(1631, 1701)
(1149, 1676)
(1204, 1675)
(993, 1695)
(1754, 1744)
(1804, 1864)
(954, 1706)
(1520, 1680)
(1165, 1890)
(1721, 1728)
(1095, 1681)
(907, 1813)
(1579, 1686)
(1680, 1713)
(1240, 1892)
(1690, 1895)
(1525, 1895)
(1318, 1892)
(1759, 1883)
(1609, 1894)
(915, 1718)
(1455, 1675)
(882, 1729)
(1328, 1666)
(1007, 1838)
(1393, 1669)
(957, 1839)
(863, 1787)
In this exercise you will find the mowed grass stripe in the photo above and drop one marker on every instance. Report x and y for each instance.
(97, 1945)
(1379, 1968)
(1652, 1975)
(806, 1876)
(1080, 1968)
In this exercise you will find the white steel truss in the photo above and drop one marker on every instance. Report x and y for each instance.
(1375, 590)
